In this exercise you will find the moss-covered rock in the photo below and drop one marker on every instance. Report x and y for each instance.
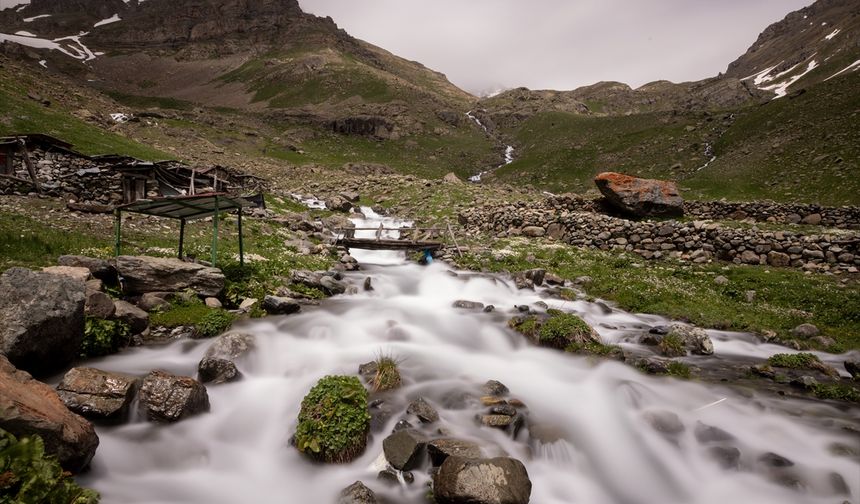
(558, 330)
(334, 421)
(28, 475)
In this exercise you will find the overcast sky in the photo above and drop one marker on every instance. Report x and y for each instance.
(482, 45)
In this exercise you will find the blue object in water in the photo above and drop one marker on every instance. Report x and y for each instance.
(428, 256)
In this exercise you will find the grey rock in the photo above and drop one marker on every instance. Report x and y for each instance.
(231, 346)
(728, 457)
(533, 231)
(96, 394)
(441, 449)
(494, 388)
(392, 477)
(640, 197)
(99, 305)
(216, 370)
(499, 480)
(29, 407)
(137, 319)
(338, 204)
(169, 398)
(357, 493)
(805, 331)
(853, 368)
(778, 259)
(404, 449)
(707, 433)
(212, 302)
(664, 422)
(141, 274)
(423, 410)
(100, 268)
(151, 301)
(468, 305)
(275, 305)
(42, 319)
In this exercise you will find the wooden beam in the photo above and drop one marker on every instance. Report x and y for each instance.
(22, 145)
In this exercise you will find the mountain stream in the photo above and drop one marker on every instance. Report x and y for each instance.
(588, 438)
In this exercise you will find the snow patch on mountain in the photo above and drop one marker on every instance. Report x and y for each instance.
(70, 46)
(112, 19)
(781, 88)
(849, 68)
(40, 16)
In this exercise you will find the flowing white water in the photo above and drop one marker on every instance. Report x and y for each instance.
(604, 450)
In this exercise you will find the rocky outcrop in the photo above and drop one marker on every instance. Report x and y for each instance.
(640, 197)
(169, 398)
(29, 407)
(364, 125)
(141, 274)
(96, 394)
(482, 481)
(42, 319)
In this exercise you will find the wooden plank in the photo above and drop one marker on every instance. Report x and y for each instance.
(374, 244)
(29, 163)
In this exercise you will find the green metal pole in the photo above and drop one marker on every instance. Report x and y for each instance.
(215, 233)
(181, 236)
(118, 230)
(241, 242)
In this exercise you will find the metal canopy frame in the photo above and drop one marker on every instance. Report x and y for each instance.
(186, 208)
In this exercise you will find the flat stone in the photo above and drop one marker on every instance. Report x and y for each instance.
(499, 480)
(141, 274)
(441, 449)
(275, 305)
(97, 394)
(169, 398)
(137, 319)
(404, 449)
(423, 410)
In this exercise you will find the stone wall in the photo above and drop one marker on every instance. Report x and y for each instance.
(68, 175)
(698, 241)
(845, 217)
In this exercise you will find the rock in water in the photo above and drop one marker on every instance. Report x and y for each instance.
(357, 493)
(168, 398)
(214, 370)
(97, 394)
(141, 274)
(641, 197)
(42, 319)
(499, 480)
(440, 449)
(29, 407)
(404, 449)
(275, 305)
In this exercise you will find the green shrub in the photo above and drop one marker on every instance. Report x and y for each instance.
(104, 337)
(214, 323)
(334, 421)
(561, 329)
(672, 345)
(28, 475)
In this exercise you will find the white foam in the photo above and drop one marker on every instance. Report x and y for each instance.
(25, 33)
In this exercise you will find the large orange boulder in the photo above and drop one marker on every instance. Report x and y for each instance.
(640, 197)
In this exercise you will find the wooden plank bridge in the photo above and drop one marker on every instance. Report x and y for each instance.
(410, 239)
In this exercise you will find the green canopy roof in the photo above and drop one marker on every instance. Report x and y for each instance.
(186, 207)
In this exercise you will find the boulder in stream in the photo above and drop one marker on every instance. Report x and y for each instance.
(500, 480)
(42, 319)
(97, 394)
(29, 407)
(404, 449)
(440, 449)
(169, 398)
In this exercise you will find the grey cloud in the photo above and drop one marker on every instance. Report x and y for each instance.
(560, 44)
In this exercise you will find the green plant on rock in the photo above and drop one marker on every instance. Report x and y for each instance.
(214, 323)
(27, 474)
(387, 376)
(594, 348)
(802, 360)
(836, 391)
(561, 329)
(527, 326)
(104, 337)
(672, 345)
(678, 370)
(333, 420)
